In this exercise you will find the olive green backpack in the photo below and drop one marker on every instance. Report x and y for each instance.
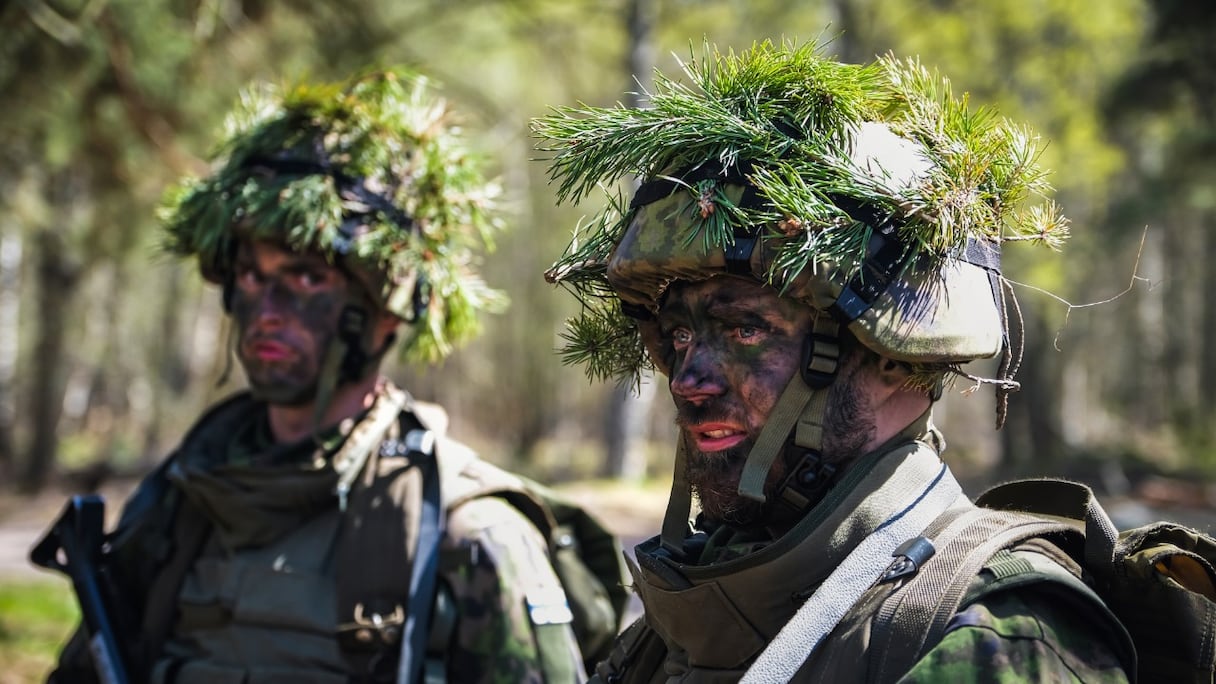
(1158, 581)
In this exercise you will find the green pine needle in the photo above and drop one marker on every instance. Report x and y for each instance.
(386, 129)
(784, 116)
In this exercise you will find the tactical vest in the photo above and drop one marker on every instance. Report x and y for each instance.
(717, 618)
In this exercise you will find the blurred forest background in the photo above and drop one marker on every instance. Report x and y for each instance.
(109, 350)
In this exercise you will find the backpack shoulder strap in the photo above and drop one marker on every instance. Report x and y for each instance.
(1063, 500)
(914, 616)
(391, 507)
(1057, 520)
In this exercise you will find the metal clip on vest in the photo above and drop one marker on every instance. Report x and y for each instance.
(909, 556)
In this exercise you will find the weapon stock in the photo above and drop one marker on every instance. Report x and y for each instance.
(73, 546)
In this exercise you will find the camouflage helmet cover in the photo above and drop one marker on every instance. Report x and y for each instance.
(799, 172)
(370, 172)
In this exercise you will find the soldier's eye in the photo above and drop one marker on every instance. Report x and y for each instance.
(680, 338)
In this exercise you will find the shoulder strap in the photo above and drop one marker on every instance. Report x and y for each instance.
(914, 617)
(1070, 501)
(388, 542)
(864, 565)
(423, 579)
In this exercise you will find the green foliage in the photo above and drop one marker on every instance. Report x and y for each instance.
(786, 119)
(109, 101)
(369, 169)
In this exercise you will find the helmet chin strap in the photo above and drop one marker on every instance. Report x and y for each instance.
(800, 410)
(346, 359)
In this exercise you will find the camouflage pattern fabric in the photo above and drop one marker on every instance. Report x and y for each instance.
(710, 616)
(1007, 639)
(495, 640)
(1018, 637)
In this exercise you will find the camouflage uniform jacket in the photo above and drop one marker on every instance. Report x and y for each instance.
(256, 599)
(707, 620)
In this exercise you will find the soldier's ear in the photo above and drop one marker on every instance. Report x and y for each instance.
(892, 373)
(385, 327)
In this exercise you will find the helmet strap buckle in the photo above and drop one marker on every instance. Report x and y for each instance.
(352, 327)
(808, 480)
(821, 353)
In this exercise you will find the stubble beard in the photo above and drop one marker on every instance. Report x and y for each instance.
(281, 389)
(714, 477)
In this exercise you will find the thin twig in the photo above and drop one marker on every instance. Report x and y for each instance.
(1136, 277)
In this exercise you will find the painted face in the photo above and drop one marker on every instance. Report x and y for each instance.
(732, 346)
(285, 306)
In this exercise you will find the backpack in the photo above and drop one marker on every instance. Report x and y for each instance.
(1157, 581)
(586, 557)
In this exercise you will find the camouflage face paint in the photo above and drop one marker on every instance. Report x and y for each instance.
(285, 306)
(733, 344)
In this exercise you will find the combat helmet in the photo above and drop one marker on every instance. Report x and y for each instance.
(866, 191)
(372, 173)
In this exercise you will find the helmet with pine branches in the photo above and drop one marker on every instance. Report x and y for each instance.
(370, 172)
(866, 191)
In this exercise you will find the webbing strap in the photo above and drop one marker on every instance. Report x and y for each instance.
(915, 617)
(1061, 498)
(423, 578)
(798, 639)
(364, 439)
(373, 599)
(809, 434)
(771, 441)
(679, 504)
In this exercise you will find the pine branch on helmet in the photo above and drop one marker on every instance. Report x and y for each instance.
(866, 191)
(370, 172)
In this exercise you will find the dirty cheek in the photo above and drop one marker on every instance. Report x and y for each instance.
(318, 312)
(761, 379)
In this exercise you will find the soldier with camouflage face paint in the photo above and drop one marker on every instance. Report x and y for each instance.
(309, 529)
(812, 254)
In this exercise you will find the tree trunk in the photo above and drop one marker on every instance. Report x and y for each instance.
(626, 424)
(1031, 438)
(57, 277)
(10, 305)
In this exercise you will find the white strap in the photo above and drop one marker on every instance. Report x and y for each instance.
(363, 440)
(821, 613)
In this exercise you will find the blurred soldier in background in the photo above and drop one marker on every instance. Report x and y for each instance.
(813, 252)
(319, 527)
